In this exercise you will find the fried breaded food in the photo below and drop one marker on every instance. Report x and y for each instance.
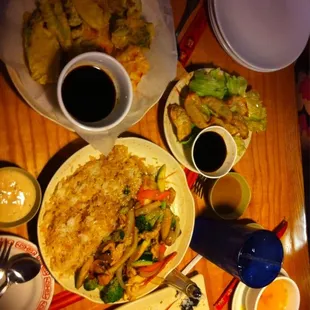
(56, 20)
(238, 121)
(192, 105)
(74, 19)
(93, 13)
(180, 120)
(219, 107)
(132, 31)
(83, 208)
(42, 49)
(238, 104)
(134, 63)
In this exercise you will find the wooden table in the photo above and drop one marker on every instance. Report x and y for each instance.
(272, 163)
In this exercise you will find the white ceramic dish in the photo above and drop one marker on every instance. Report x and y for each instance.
(162, 299)
(36, 294)
(293, 299)
(238, 302)
(183, 206)
(180, 152)
(268, 34)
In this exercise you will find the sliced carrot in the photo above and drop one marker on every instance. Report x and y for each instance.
(164, 264)
(150, 268)
(152, 194)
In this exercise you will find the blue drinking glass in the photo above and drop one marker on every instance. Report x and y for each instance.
(250, 254)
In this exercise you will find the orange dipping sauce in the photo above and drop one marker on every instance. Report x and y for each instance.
(274, 297)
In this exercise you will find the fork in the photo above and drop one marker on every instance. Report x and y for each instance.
(199, 185)
(5, 249)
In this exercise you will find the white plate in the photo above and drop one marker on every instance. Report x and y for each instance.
(238, 302)
(165, 297)
(183, 205)
(36, 294)
(268, 34)
(222, 42)
(183, 153)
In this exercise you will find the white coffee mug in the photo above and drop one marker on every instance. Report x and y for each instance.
(122, 83)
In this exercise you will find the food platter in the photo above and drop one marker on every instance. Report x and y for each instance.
(183, 205)
(162, 54)
(181, 152)
(36, 294)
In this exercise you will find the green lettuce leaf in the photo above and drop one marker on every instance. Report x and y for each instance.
(240, 145)
(212, 83)
(257, 115)
(236, 85)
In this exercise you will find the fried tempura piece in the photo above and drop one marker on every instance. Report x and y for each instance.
(238, 121)
(132, 31)
(72, 15)
(42, 49)
(238, 104)
(219, 107)
(180, 120)
(92, 13)
(191, 104)
(134, 62)
(117, 7)
(56, 20)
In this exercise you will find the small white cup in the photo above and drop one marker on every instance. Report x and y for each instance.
(121, 80)
(253, 295)
(231, 154)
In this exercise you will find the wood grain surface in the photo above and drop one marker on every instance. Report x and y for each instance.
(272, 163)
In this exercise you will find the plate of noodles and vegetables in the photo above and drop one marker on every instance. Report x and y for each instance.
(111, 227)
(207, 97)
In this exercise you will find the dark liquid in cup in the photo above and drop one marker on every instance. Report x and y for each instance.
(209, 151)
(88, 94)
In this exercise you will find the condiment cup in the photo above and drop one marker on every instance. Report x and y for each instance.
(231, 152)
(32, 212)
(122, 83)
(293, 299)
(244, 199)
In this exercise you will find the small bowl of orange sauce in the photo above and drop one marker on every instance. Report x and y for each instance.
(20, 197)
(281, 294)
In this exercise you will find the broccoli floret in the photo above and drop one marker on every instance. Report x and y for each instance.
(112, 292)
(147, 222)
(90, 284)
(118, 235)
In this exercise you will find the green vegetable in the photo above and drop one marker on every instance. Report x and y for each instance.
(146, 222)
(163, 205)
(126, 190)
(257, 115)
(112, 292)
(236, 85)
(124, 210)
(142, 263)
(118, 235)
(212, 83)
(90, 284)
(100, 287)
(147, 256)
(240, 145)
(160, 178)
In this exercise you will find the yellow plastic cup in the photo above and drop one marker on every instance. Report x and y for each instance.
(244, 201)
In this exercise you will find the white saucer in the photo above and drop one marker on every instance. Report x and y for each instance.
(36, 294)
